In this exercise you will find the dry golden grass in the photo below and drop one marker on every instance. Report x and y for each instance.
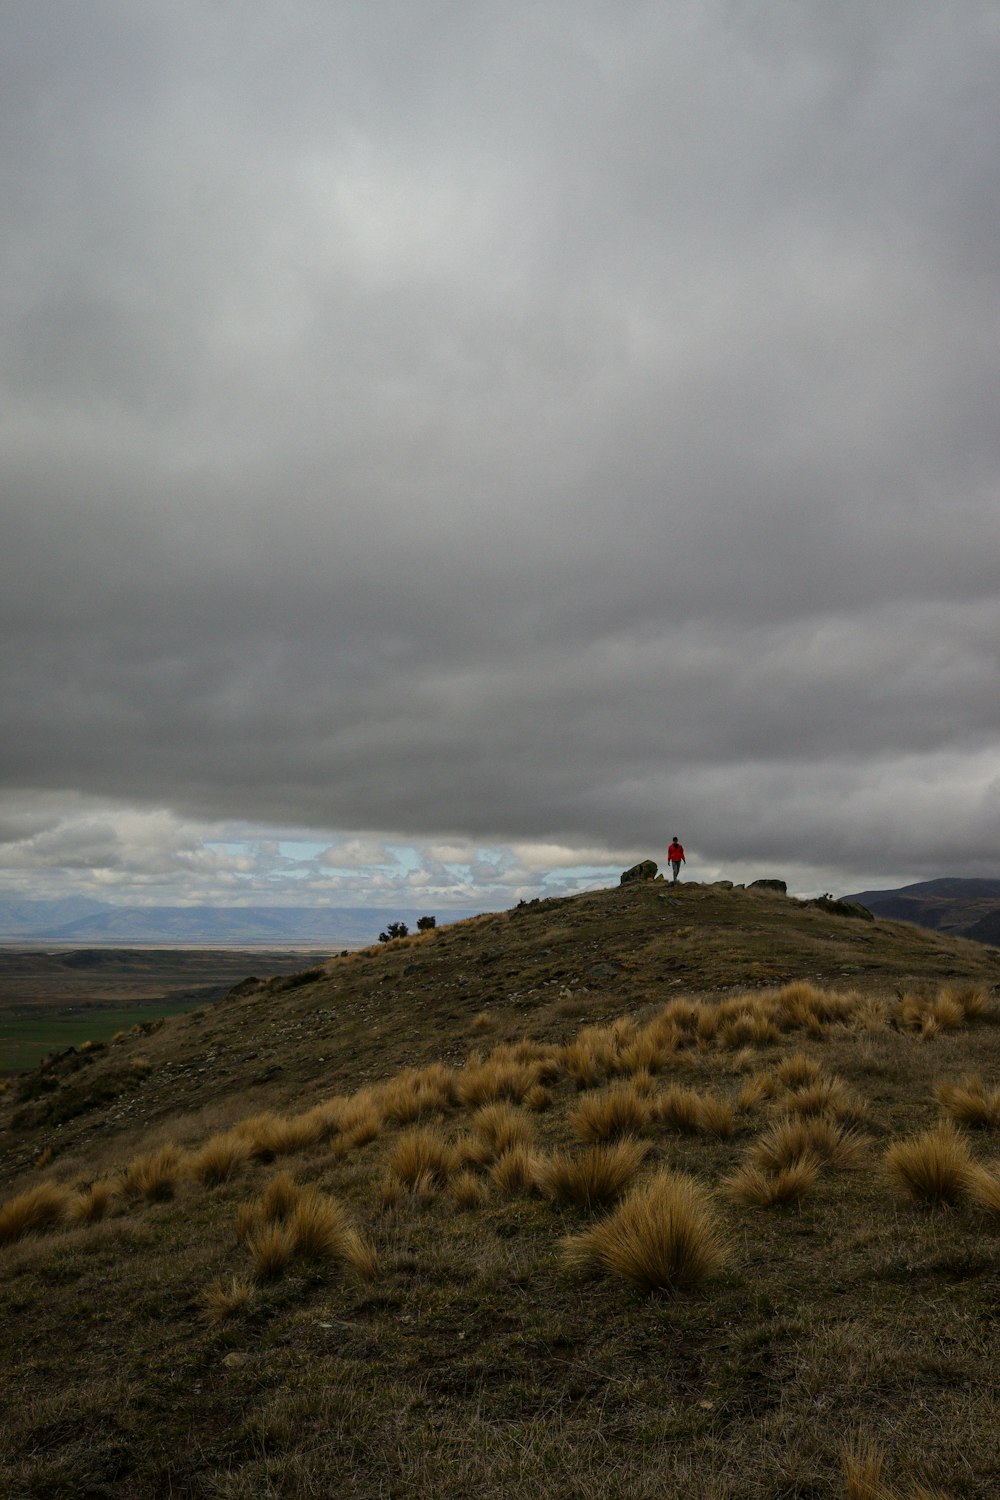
(583, 1064)
(755, 1187)
(91, 1205)
(679, 1109)
(500, 1126)
(618, 1110)
(361, 1119)
(595, 1177)
(968, 1103)
(499, 1076)
(664, 1236)
(224, 1300)
(757, 1090)
(653, 1048)
(752, 1026)
(537, 1098)
(789, 1140)
(321, 1230)
(830, 1097)
(43, 1159)
(271, 1247)
(154, 1176)
(864, 1476)
(482, 1022)
(984, 1187)
(35, 1211)
(515, 1171)
(468, 1190)
(796, 1070)
(930, 1015)
(421, 1153)
(933, 1167)
(278, 1198)
(975, 1000)
(218, 1159)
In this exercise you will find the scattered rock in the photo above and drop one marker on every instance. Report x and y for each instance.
(234, 1359)
(842, 908)
(645, 870)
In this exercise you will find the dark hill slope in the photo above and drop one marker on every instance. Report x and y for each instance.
(280, 1043)
(964, 908)
(341, 1321)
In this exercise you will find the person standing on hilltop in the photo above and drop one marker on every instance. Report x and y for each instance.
(675, 856)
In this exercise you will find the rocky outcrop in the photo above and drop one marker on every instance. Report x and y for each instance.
(837, 908)
(768, 885)
(645, 870)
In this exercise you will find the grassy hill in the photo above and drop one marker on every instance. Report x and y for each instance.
(639, 1193)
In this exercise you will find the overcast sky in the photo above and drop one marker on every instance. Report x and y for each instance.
(452, 447)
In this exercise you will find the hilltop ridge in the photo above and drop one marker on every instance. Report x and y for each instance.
(346, 1021)
(591, 1198)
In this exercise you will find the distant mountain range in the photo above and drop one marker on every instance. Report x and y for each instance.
(82, 921)
(962, 908)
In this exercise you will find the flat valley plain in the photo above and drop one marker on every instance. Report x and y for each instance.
(51, 999)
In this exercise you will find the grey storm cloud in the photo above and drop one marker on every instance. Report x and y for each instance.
(542, 421)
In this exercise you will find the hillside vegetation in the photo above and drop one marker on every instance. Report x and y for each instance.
(648, 1192)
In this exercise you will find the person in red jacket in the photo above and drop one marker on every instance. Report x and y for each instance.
(675, 854)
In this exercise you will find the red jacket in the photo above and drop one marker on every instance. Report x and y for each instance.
(676, 851)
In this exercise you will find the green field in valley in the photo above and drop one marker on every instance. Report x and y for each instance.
(25, 1040)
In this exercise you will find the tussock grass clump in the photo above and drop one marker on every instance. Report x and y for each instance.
(499, 1076)
(933, 1167)
(984, 1187)
(664, 1236)
(537, 1098)
(271, 1247)
(468, 1190)
(789, 1140)
(583, 1064)
(516, 1171)
(361, 1120)
(224, 1300)
(36, 1211)
(219, 1158)
(500, 1126)
(755, 1187)
(751, 1026)
(321, 1230)
(616, 1111)
(272, 1206)
(653, 1048)
(263, 1134)
(692, 1113)
(278, 1198)
(91, 1205)
(865, 1478)
(975, 1000)
(757, 1090)
(930, 1015)
(155, 1175)
(968, 1103)
(827, 1096)
(596, 1177)
(421, 1153)
(418, 1092)
(797, 1070)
